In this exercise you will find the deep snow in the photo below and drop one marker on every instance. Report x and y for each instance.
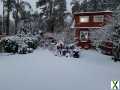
(42, 70)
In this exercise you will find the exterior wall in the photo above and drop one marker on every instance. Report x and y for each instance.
(80, 26)
(91, 22)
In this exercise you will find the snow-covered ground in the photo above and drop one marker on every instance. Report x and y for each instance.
(42, 70)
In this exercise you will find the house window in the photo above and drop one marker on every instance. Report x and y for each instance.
(98, 18)
(83, 35)
(84, 19)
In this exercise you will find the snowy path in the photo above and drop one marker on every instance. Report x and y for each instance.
(43, 71)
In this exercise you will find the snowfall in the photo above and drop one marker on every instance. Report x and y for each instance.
(41, 70)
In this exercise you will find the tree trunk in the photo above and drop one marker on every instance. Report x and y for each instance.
(8, 17)
(17, 17)
(16, 22)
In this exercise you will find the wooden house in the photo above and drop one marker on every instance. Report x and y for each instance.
(84, 21)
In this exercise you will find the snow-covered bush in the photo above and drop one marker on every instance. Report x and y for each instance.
(23, 49)
(1, 48)
(19, 44)
(32, 43)
(9, 45)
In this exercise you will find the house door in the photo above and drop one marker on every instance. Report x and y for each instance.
(84, 39)
(84, 36)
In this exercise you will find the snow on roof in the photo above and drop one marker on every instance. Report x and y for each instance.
(107, 11)
(73, 27)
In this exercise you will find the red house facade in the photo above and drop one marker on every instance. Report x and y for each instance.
(84, 21)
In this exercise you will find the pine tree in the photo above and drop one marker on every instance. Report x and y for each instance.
(99, 5)
(116, 33)
(52, 12)
(116, 24)
(84, 6)
(75, 6)
(8, 17)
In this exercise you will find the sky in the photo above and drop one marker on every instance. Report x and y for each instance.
(33, 4)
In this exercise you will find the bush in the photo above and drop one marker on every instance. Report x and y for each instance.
(22, 49)
(32, 43)
(1, 48)
(21, 45)
(9, 46)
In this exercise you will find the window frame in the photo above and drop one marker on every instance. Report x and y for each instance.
(98, 18)
(82, 21)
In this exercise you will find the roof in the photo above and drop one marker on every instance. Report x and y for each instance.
(97, 12)
(84, 27)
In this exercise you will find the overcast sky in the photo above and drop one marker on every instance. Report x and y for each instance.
(33, 3)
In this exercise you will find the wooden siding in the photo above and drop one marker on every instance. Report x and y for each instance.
(84, 26)
(91, 22)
